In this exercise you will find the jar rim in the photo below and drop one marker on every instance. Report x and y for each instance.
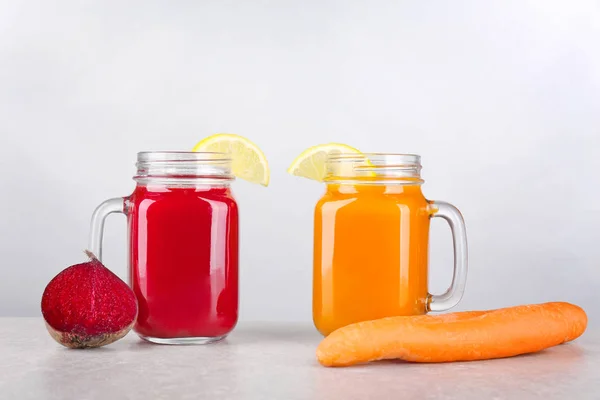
(170, 156)
(405, 158)
(373, 168)
(183, 168)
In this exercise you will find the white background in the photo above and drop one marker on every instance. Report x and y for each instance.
(500, 98)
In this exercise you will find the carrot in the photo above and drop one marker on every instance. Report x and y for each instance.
(461, 336)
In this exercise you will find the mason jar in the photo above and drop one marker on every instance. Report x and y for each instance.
(183, 246)
(371, 242)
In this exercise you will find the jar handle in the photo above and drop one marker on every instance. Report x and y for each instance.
(116, 205)
(452, 296)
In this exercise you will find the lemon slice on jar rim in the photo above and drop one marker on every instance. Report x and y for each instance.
(248, 162)
(311, 163)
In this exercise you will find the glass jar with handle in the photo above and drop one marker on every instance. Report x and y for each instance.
(371, 239)
(183, 246)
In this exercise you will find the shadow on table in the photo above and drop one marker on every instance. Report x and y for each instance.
(272, 333)
(549, 371)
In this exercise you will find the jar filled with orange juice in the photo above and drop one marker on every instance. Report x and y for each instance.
(371, 242)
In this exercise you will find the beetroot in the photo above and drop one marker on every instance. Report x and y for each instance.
(86, 305)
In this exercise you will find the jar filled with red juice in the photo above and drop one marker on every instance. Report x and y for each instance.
(183, 246)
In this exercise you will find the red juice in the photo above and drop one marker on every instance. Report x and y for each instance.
(184, 261)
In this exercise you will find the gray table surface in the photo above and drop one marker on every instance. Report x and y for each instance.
(274, 361)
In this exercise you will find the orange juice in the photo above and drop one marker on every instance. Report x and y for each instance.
(370, 254)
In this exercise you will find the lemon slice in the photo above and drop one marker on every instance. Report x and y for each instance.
(248, 162)
(311, 163)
